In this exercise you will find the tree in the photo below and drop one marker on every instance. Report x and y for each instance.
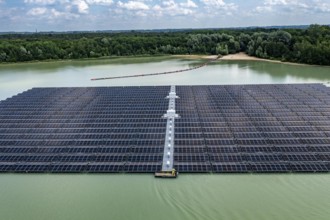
(244, 40)
(222, 49)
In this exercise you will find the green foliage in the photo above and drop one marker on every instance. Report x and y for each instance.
(222, 49)
(311, 46)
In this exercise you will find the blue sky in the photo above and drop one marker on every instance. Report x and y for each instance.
(66, 15)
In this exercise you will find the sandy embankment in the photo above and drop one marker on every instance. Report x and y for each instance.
(244, 56)
(237, 56)
(233, 57)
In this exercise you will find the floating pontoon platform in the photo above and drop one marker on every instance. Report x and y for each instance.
(166, 175)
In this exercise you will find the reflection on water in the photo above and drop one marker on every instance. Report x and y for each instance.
(15, 78)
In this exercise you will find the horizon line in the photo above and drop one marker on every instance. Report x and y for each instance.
(170, 29)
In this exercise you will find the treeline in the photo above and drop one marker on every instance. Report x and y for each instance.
(311, 46)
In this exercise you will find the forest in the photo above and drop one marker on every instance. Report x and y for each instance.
(309, 46)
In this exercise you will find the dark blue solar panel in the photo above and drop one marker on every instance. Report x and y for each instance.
(230, 168)
(104, 167)
(225, 129)
(270, 167)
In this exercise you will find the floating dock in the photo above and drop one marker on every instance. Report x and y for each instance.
(165, 174)
(218, 129)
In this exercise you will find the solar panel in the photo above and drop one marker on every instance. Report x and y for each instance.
(104, 167)
(222, 129)
(230, 167)
(193, 167)
(270, 167)
(309, 167)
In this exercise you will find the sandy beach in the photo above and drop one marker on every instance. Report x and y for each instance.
(238, 56)
(243, 56)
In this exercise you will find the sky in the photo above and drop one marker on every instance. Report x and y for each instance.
(90, 15)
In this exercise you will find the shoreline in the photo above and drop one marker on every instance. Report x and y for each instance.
(236, 57)
(195, 56)
(113, 58)
(243, 56)
(230, 57)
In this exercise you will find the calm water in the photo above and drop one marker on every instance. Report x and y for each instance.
(15, 78)
(141, 197)
(80, 197)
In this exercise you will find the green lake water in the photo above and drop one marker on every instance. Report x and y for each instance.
(135, 197)
(15, 78)
(140, 197)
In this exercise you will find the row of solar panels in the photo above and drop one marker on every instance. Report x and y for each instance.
(159, 142)
(156, 123)
(104, 93)
(178, 149)
(73, 131)
(316, 88)
(227, 103)
(322, 126)
(152, 167)
(192, 122)
(132, 129)
(188, 122)
(85, 116)
(160, 135)
(178, 157)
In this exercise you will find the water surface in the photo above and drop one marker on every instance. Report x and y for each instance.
(142, 197)
(15, 78)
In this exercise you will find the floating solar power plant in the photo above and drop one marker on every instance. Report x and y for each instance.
(83, 130)
(189, 134)
(258, 128)
(221, 129)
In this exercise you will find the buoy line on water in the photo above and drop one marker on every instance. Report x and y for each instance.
(160, 73)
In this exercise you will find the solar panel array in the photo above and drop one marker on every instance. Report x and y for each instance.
(253, 128)
(222, 129)
(83, 130)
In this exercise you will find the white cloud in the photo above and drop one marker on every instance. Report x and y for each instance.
(212, 5)
(54, 14)
(37, 11)
(133, 5)
(261, 9)
(81, 5)
(136, 14)
(40, 2)
(100, 2)
(321, 6)
(299, 3)
(293, 6)
(50, 14)
(141, 14)
(189, 4)
(216, 3)
(276, 2)
(172, 8)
